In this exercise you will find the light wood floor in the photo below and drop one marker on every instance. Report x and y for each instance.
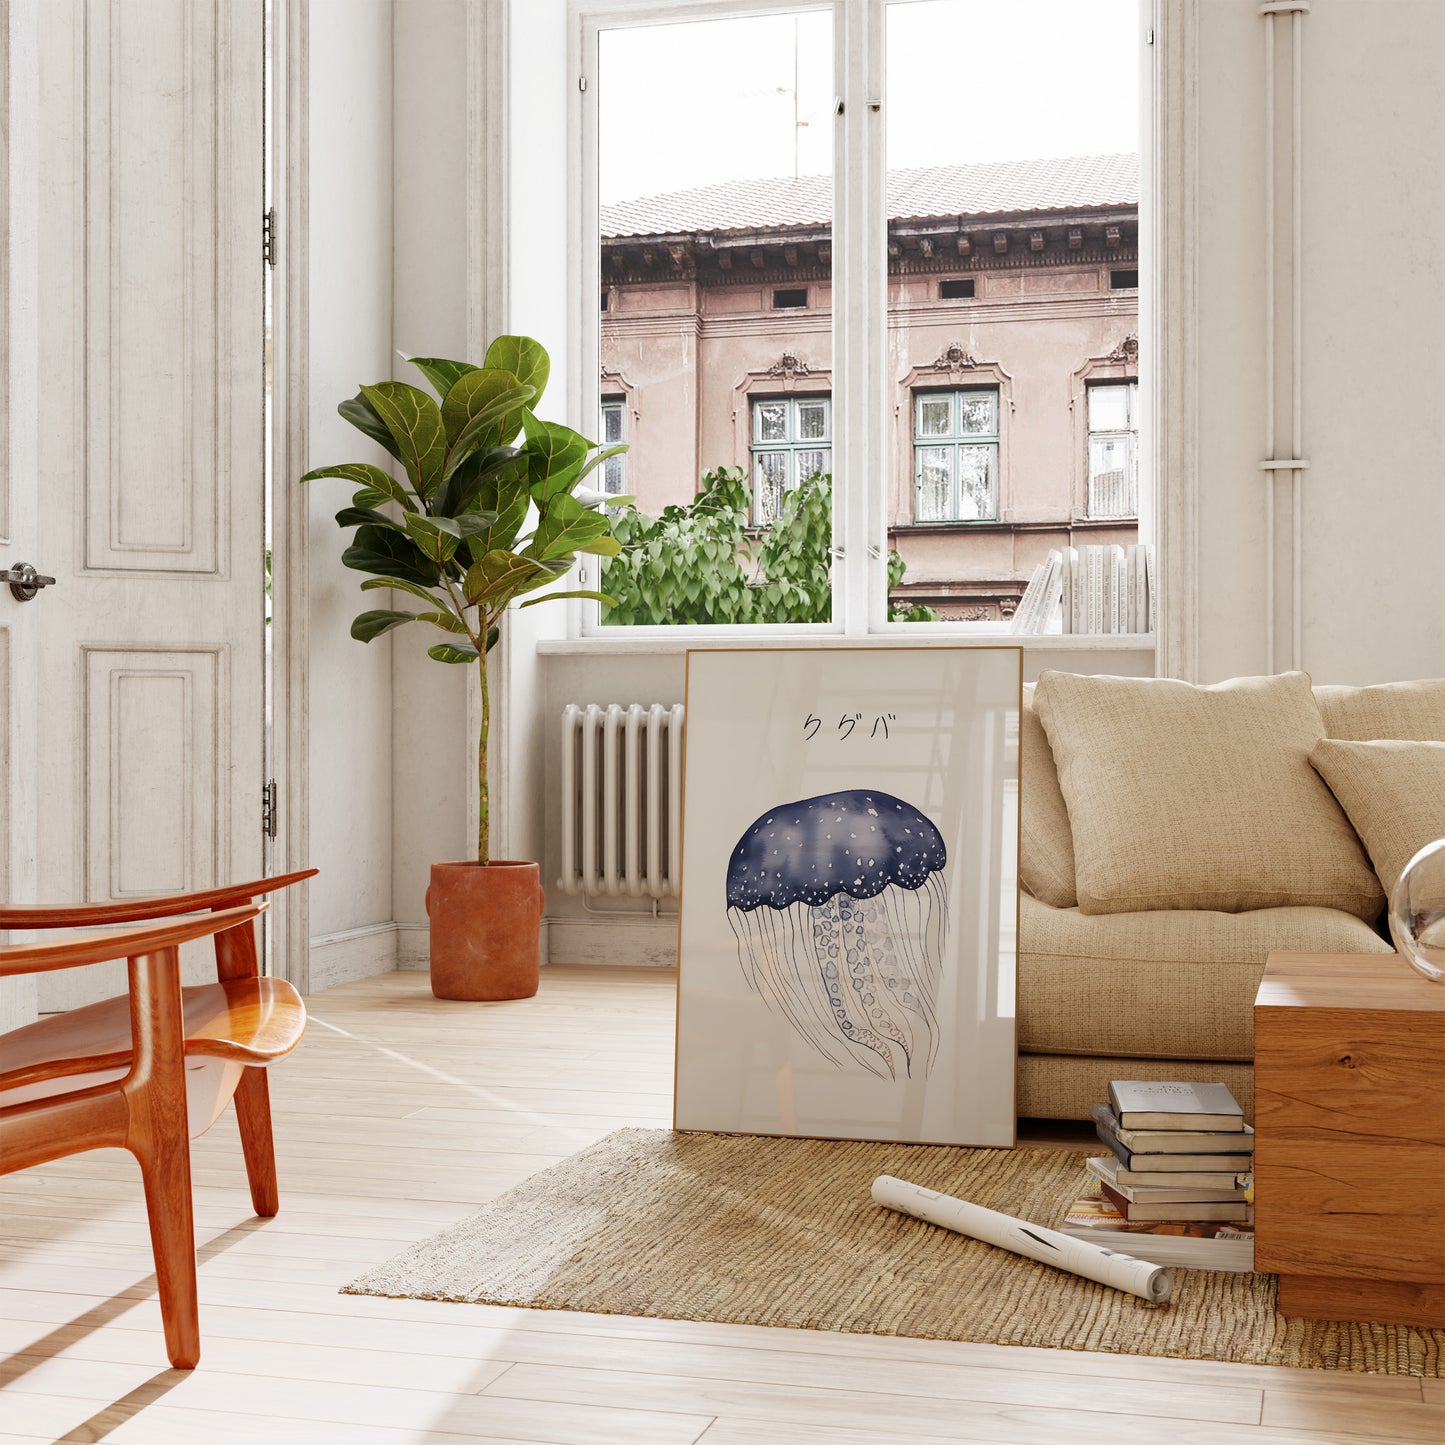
(396, 1117)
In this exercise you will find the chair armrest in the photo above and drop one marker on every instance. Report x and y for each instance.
(100, 948)
(138, 910)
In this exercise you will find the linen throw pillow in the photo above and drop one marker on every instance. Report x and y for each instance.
(1200, 797)
(1389, 710)
(1394, 793)
(1046, 846)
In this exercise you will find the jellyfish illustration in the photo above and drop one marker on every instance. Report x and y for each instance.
(840, 910)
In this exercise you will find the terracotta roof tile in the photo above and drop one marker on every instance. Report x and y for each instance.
(1063, 183)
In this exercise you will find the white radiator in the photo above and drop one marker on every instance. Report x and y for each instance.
(622, 800)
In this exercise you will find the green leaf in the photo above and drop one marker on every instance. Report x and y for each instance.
(500, 576)
(579, 592)
(493, 633)
(365, 516)
(442, 374)
(373, 478)
(415, 423)
(358, 411)
(453, 652)
(605, 546)
(566, 526)
(487, 428)
(526, 359)
(391, 554)
(555, 455)
(447, 621)
(400, 584)
(434, 536)
(499, 464)
(502, 492)
(478, 392)
(372, 624)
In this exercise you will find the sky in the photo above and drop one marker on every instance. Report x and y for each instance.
(692, 104)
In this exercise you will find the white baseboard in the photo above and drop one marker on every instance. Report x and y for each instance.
(647, 942)
(413, 945)
(338, 958)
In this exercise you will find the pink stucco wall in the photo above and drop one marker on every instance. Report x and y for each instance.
(689, 359)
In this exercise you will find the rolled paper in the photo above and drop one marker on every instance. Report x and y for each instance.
(1033, 1241)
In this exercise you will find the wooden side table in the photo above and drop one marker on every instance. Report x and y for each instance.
(1349, 1171)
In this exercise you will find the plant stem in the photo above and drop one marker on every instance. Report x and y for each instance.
(484, 841)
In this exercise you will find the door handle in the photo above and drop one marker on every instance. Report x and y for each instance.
(24, 581)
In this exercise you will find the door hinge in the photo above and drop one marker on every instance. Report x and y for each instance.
(1149, 37)
(270, 810)
(582, 83)
(268, 237)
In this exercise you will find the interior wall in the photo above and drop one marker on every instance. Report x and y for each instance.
(350, 300)
(1373, 333)
(429, 773)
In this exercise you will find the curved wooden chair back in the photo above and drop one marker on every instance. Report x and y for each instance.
(148, 1070)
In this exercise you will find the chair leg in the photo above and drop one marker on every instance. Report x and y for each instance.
(158, 1136)
(167, 1178)
(253, 1113)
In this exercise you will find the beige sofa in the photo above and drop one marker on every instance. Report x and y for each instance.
(1167, 992)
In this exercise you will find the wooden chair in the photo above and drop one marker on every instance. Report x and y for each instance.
(150, 1070)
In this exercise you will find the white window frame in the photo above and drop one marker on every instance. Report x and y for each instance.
(1128, 434)
(613, 466)
(860, 417)
(793, 446)
(953, 441)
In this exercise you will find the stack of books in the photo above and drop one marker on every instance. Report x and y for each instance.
(1089, 590)
(1177, 1177)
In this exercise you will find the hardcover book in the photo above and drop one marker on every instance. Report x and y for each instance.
(1184, 1104)
(1108, 1168)
(1170, 1141)
(1181, 1211)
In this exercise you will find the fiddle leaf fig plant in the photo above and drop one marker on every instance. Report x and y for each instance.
(492, 510)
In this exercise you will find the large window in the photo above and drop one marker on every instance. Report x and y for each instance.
(1113, 450)
(791, 440)
(944, 368)
(955, 448)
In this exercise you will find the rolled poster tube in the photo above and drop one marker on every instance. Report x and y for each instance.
(1033, 1241)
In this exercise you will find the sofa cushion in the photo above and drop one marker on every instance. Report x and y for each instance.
(1046, 846)
(1173, 984)
(1413, 710)
(1066, 1086)
(1200, 797)
(1394, 793)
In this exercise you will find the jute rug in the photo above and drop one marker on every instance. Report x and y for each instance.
(783, 1232)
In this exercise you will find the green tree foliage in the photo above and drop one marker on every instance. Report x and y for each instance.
(704, 563)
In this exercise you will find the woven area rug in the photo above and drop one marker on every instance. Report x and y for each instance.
(759, 1231)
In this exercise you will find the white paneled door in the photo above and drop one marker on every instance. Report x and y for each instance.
(149, 508)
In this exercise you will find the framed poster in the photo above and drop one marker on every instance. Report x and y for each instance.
(850, 893)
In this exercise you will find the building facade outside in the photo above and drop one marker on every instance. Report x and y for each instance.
(1013, 354)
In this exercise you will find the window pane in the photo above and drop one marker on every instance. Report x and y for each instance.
(770, 481)
(935, 484)
(812, 420)
(935, 416)
(1112, 488)
(999, 174)
(977, 468)
(810, 464)
(1108, 408)
(770, 421)
(614, 476)
(978, 414)
(708, 130)
(611, 424)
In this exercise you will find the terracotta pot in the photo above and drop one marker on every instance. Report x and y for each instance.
(486, 929)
